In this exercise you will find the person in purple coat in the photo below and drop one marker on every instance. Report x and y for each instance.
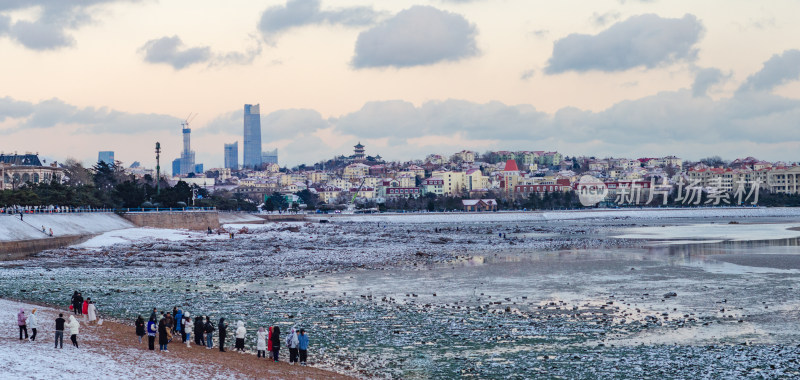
(23, 327)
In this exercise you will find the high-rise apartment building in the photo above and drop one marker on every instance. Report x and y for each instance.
(106, 156)
(252, 136)
(232, 156)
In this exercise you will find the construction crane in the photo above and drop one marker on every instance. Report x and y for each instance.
(357, 190)
(185, 123)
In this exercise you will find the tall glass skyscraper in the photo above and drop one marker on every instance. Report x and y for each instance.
(232, 156)
(252, 136)
(106, 156)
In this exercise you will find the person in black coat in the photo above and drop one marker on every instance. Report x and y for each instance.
(276, 342)
(223, 332)
(139, 328)
(162, 335)
(199, 338)
(77, 303)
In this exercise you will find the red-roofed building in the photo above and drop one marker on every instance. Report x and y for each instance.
(478, 205)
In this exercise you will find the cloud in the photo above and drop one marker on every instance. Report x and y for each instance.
(646, 40)
(605, 18)
(56, 18)
(280, 124)
(705, 78)
(55, 112)
(13, 109)
(778, 70)
(401, 119)
(171, 51)
(420, 35)
(527, 74)
(296, 13)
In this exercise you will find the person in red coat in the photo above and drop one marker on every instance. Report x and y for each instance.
(85, 308)
(269, 342)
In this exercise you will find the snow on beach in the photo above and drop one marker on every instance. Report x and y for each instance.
(715, 232)
(39, 360)
(12, 228)
(568, 215)
(130, 236)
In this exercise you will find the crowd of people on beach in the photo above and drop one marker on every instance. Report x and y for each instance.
(78, 306)
(167, 326)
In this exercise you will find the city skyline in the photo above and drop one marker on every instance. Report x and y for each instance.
(606, 78)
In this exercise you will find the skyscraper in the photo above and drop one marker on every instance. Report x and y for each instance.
(106, 156)
(187, 155)
(270, 157)
(176, 167)
(232, 156)
(252, 136)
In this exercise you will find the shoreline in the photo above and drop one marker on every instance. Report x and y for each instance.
(116, 338)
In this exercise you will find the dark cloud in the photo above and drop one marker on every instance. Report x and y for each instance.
(171, 50)
(56, 19)
(646, 40)
(297, 13)
(778, 70)
(705, 78)
(55, 112)
(420, 35)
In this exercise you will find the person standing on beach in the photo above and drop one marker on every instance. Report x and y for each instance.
(31, 322)
(92, 310)
(261, 342)
(276, 343)
(303, 346)
(154, 314)
(163, 339)
(23, 328)
(223, 333)
(186, 328)
(178, 329)
(198, 331)
(85, 306)
(152, 329)
(292, 342)
(208, 328)
(139, 328)
(75, 302)
(241, 331)
(74, 326)
(269, 341)
(60, 330)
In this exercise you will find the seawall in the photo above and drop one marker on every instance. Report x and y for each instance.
(17, 250)
(190, 220)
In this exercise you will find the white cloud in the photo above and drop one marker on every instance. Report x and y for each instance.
(420, 35)
(646, 40)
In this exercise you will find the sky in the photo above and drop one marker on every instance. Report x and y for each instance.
(605, 78)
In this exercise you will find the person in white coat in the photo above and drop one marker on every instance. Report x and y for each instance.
(292, 342)
(187, 328)
(240, 334)
(74, 326)
(261, 342)
(31, 322)
(92, 311)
